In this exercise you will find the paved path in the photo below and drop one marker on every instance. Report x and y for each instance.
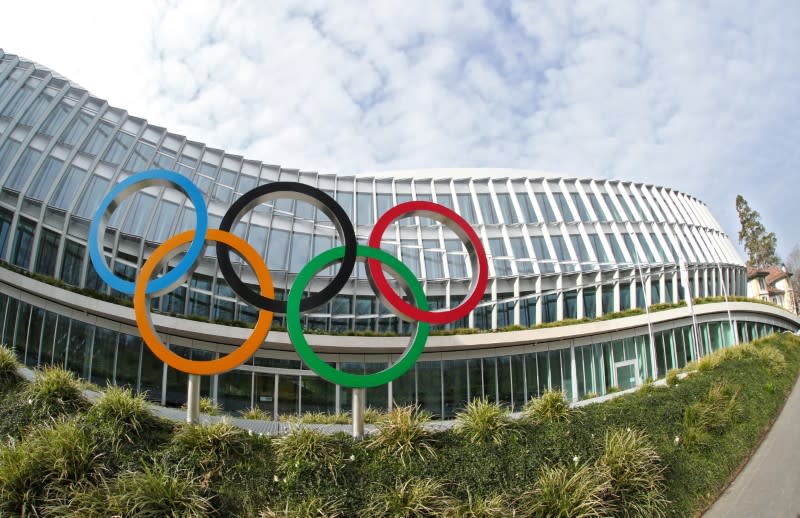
(769, 485)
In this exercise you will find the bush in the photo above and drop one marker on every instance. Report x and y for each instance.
(672, 377)
(636, 474)
(58, 455)
(714, 414)
(482, 421)
(312, 507)
(207, 406)
(317, 418)
(127, 416)
(401, 434)
(552, 407)
(256, 413)
(208, 447)
(412, 498)
(159, 491)
(308, 451)
(9, 369)
(566, 492)
(55, 392)
(492, 506)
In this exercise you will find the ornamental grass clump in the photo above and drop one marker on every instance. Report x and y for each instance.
(55, 392)
(552, 407)
(714, 414)
(636, 475)
(672, 377)
(567, 492)
(305, 451)
(209, 448)
(127, 416)
(483, 421)
(50, 457)
(159, 491)
(401, 434)
(9, 369)
(313, 506)
(255, 413)
(491, 506)
(416, 497)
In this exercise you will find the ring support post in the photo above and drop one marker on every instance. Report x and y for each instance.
(359, 397)
(193, 400)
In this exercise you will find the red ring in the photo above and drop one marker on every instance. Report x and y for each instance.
(438, 212)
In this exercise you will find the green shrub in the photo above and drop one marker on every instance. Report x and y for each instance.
(612, 389)
(567, 492)
(207, 406)
(52, 456)
(492, 506)
(126, 415)
(714, 414)
(312, 507)
(772, 358)
(483, 421)
(308, 451)
(552, 407)
(256, 413)
(209, 447)
(416, 497)
(317, 418)
(54, 392)
(9, 369)
(373, 415)
(158, 491)
(589, 395)
(401, 434)
(672, 377)
(636, 474)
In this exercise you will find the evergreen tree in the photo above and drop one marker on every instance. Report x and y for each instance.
(759, 245)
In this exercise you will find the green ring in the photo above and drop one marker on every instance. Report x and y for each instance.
(298, 339)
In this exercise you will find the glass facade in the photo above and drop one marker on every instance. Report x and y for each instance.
(560, 248)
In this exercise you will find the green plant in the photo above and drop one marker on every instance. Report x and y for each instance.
(159, 491)
(9, 369)
(58, 455)
(713, 414)
(636, 474)
(491, 506)
(126, 415)
(256, 413)
(401, 434)
(483, 421)
(313, 506)
(412, 498)
(672, 377)
(772, 358)
(317, 418)
(589, 395)
(566, 492)
(55, 391)
(373, 415)
(306, 450)
(612, 389)
(552, 407)
(208, 447)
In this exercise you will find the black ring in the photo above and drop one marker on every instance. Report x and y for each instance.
(300, 192)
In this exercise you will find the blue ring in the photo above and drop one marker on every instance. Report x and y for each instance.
(121, 191)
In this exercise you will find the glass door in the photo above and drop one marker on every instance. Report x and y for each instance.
(627, 374)
(264, 393)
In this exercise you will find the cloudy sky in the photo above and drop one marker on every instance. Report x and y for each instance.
(700, 96)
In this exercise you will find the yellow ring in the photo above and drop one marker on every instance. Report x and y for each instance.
(142, 313)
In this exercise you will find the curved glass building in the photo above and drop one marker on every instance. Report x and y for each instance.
(559, 248)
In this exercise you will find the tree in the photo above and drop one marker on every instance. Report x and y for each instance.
(793, 267)
(759, 245)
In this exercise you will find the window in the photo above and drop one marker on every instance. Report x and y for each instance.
(626, 208)
(580, 248)
(619, 257)
(64, 194)
(36, 109)
(54, 121)
(612, 207)
(45, 178)
(72, 263)
(542, 255)
(7, 152)
(524, 264)
(507, 208)
(277, 248)
(547, 210)
(456, 260)
(300, 251)
(48, 249)
(582, 212)
(598, 210)
(498, 248)
(17, 101)
(364, 214)
(562, 252)
(467, 211)
(23, 243)
(561, 201)
(23, 169)
(139, 213)
(119, 147)
(487, 208)
(434, 267)
(528, 210)
(5, 228)
(92, 194)
(647, 250)
(345, 199)
(597, 246)
(410, 255)
(162, 222)
(76, 129)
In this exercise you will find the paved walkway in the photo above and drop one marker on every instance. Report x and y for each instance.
(769, 485)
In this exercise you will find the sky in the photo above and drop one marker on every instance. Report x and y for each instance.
(703, 97)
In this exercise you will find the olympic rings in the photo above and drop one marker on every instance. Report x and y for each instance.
(141, 305)
(412, 352)
(480, 265)
(194, 242)
(300, 192)
(112, 201)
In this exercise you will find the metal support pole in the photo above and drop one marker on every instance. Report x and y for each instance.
(359, 400)
(193, 400)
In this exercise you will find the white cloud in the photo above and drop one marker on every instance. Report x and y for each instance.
(693, 96)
